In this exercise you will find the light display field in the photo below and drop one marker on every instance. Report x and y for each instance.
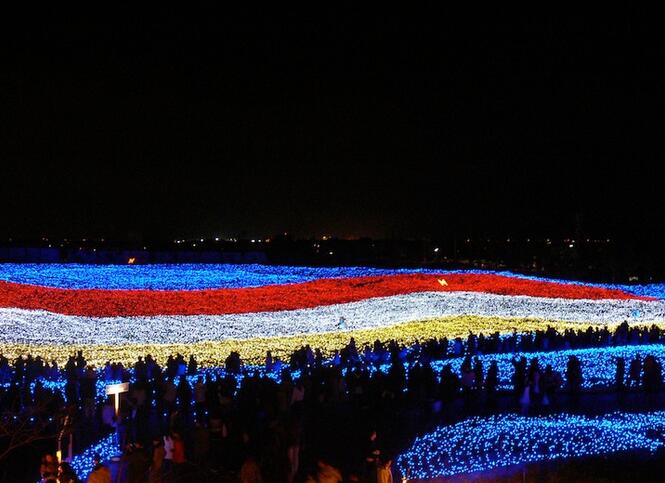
(120, 312)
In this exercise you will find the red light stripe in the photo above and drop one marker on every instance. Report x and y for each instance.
(108, 303)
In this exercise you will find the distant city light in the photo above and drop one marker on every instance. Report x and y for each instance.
(436, 250)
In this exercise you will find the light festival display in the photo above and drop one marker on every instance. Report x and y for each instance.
(119, 312)
(484, 443)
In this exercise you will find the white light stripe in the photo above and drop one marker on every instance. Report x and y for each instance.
(41, 327)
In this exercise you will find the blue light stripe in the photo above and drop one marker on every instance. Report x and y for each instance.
(484, 443)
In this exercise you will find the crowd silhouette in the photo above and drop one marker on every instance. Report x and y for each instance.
(244, 421)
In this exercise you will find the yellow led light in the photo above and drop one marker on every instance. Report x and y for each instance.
(213, 353)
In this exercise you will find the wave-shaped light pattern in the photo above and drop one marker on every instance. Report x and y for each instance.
(485, 443)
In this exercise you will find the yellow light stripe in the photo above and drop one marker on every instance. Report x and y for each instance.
(213, 353)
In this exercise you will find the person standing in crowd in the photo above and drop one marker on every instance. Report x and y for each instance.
(525, 399)
(326, 473)
(372, 455)
(293, 448)
(201, 444)
(168, 456)
(108, 415)
(620, 374)
(138, 463)
(66, 474)
(157, 464)
(200, 399)
(100, 473)
(250, 472)
(491, 383)
(550, 383)
(49, 466)
(170, 394)
(635, 372)
(384, 472)
(178, 456)
(298, 397)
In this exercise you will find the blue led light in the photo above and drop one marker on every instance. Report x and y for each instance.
(177, 276)
(484, 443)
(106, 448)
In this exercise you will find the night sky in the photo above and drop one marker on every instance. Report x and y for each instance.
(168, 124)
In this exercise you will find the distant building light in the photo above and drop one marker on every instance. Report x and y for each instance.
(201, 240)
(253, 241)
(436, 250)
(330, 253)
(571, 246)
(131, 260)
(216, 238)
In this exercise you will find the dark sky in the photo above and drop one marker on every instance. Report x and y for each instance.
(169, 124)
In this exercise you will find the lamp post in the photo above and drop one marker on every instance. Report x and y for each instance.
(116, 390)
